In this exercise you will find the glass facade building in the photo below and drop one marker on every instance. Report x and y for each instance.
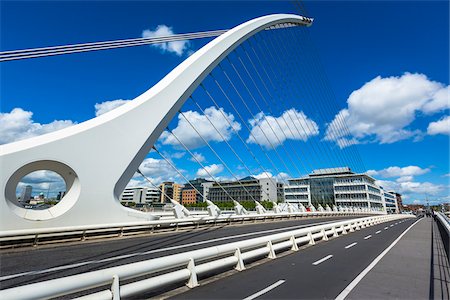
(337, 186)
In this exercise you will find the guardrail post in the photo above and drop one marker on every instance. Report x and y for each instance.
(343, 229)
(351, 227)
(121, 232)
(335, 234)
(311, 239)
(83, 237)
(115, 288)
(192, 282)
(324, 235)
(36, 240)
(240, 266)
(294, 244)
(272, 254)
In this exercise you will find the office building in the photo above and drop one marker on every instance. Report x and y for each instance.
(246, 189)
(335, 186)
(390, 202)
(170, 190)
(194, 190)
(25, 196)
(144, 195)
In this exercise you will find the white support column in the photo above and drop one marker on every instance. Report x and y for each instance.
(240, 266)
(311, 239)
(115, 288)
(294, 244)
(272, 254)
(192, 282)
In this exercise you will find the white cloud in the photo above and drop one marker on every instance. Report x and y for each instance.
(18, 125)
(383, 109)
(210, 170)
(263, 175)
(42, 181)
(275, 130)
(399, 172)
(280, 177)
(177, 47)
(178, 155)
(411, 187)
(405, 179)
(104, 107)
(197, 157)
(158, 170)
(440, 127)
(191, 139)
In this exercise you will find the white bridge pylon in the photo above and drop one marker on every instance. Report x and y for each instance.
(97, 158)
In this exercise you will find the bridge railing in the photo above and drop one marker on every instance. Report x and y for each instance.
(187, 266)
(15, 238)
(443, 224)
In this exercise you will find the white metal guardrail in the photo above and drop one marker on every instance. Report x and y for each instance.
(13, 238)
(444, 229)
(163, 271)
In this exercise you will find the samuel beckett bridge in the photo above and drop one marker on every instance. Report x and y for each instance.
(256, 100)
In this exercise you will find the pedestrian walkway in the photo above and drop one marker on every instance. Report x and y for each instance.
(415, 268)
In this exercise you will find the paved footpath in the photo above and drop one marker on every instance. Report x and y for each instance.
(415, 268)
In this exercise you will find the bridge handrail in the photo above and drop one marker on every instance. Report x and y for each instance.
(444, 229)
(173, 222)
(236, 253)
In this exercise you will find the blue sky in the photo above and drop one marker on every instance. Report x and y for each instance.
(389, 58)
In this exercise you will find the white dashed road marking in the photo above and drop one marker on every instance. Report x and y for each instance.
(322, 260)
(351, 245)
(267, 289)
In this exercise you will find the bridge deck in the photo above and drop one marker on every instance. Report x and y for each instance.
(415, 268)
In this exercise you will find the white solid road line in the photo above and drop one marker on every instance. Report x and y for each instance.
(361, 275)
(322, 260)
(368, 237)
(267, 289)
(378, 232)
(114, 258)
(351, 245)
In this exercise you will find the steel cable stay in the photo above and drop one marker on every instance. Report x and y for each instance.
(151, 182)
(240, 116)
(250, 130)
(201, 165)
(223, 138)
(326, 88)
(274, 115)
(272, 112)
(254, 118)
(322, 90)
(218, 156)
(281, 74)
(271, 97)
(294, 88)
(179, 172)
(226, 142)
(78, 48)
(265, 117)
(295, 92)
(261, 167)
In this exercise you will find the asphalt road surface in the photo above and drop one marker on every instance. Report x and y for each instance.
(19, 267)
(318, 272)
